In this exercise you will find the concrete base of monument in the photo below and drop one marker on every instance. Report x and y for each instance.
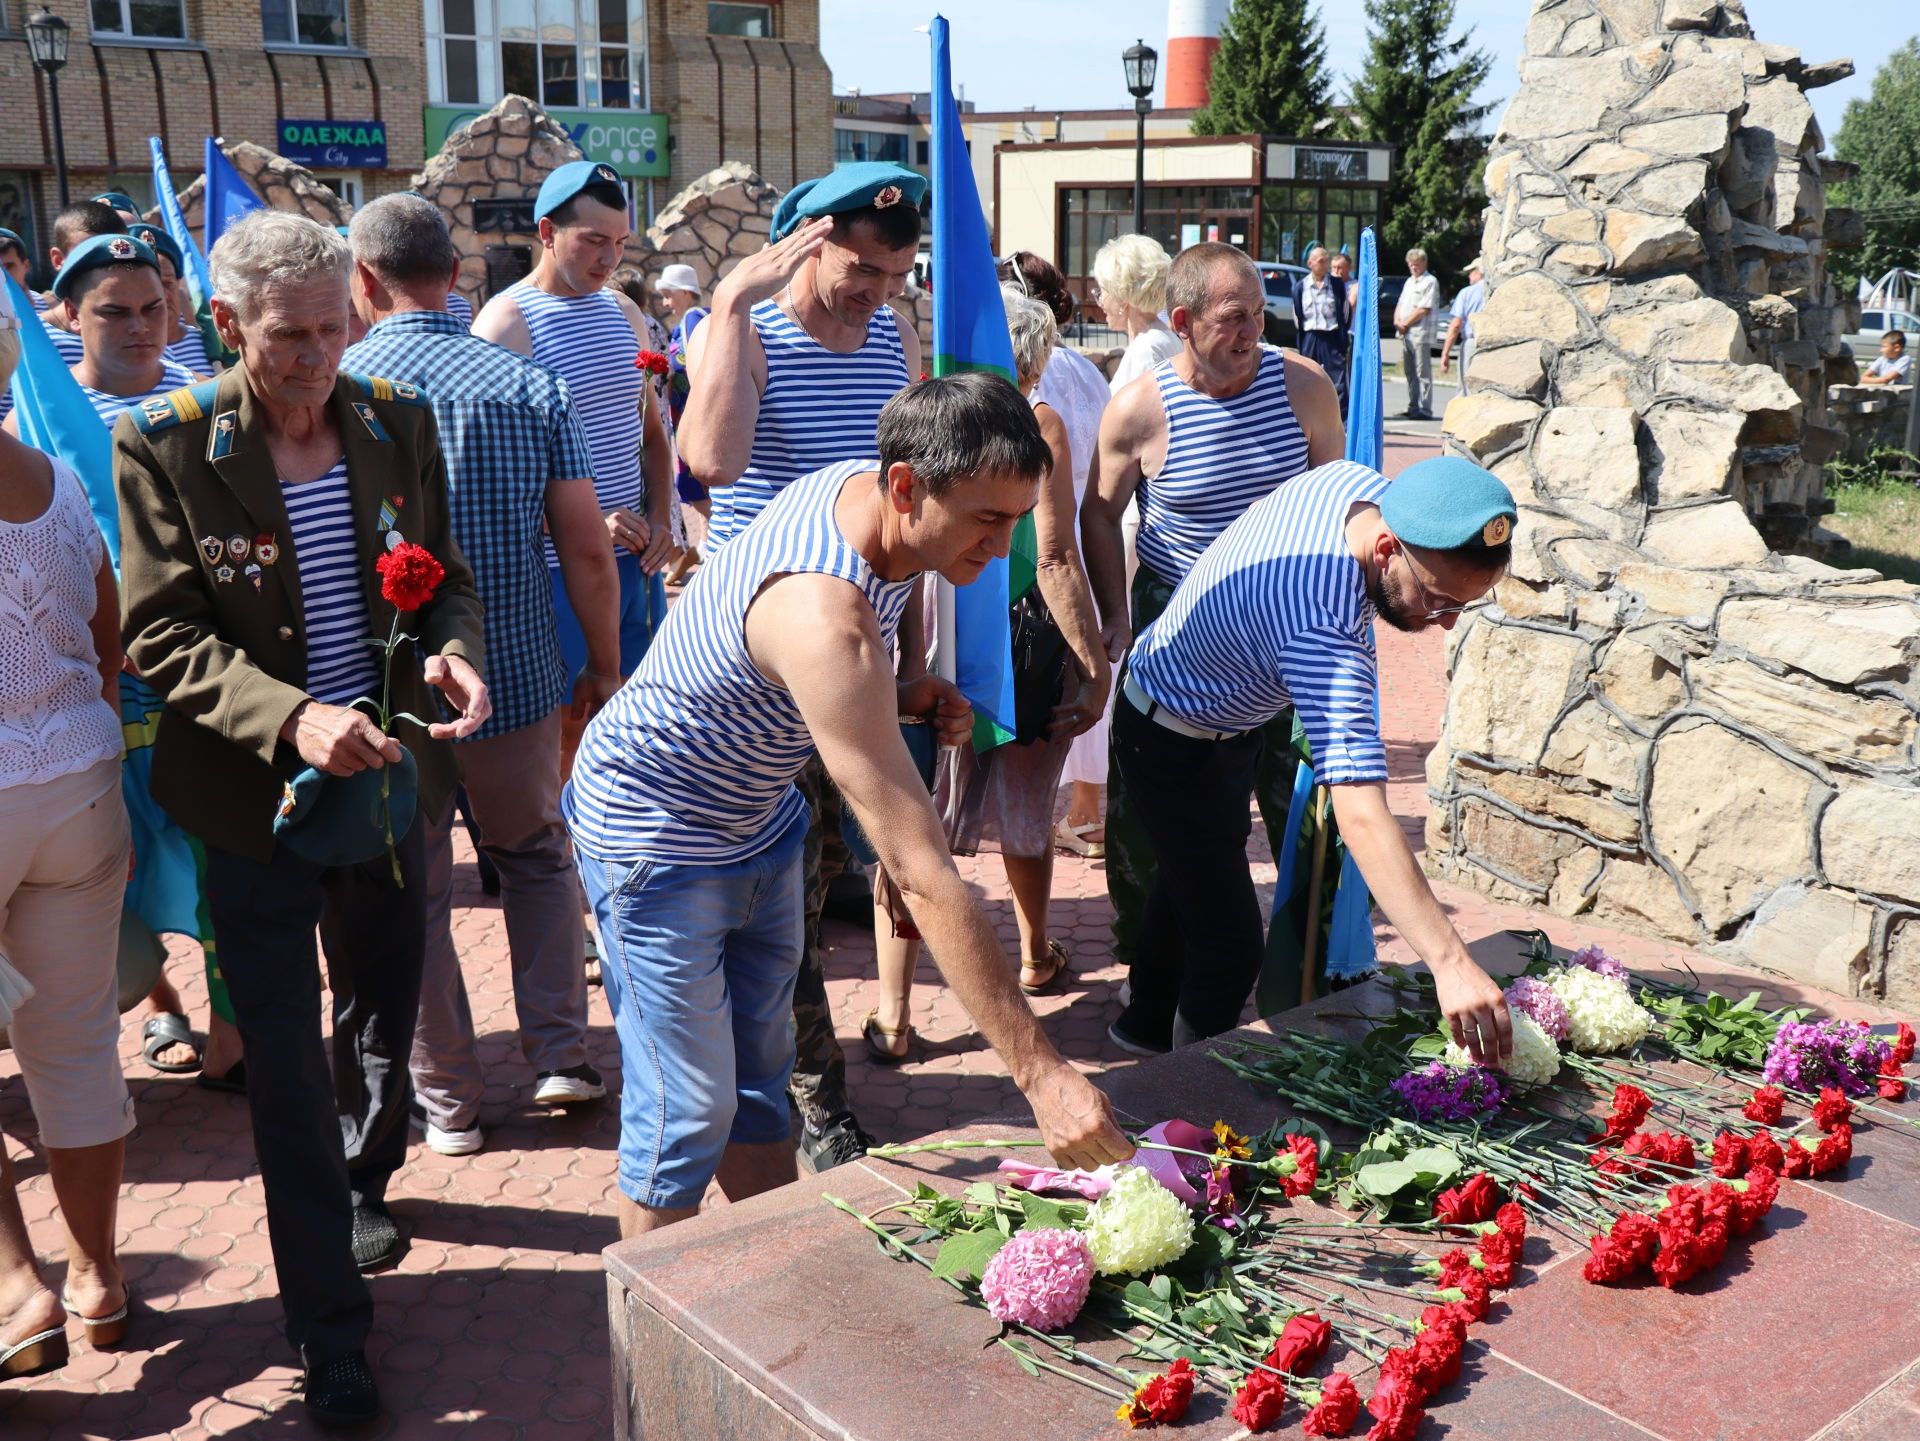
(780, 1320)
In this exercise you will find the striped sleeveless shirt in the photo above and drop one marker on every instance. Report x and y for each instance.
(109, 407)
(1222, 456)
(1276, 614)
(819, 407)
(587, 341)
(341, 666)
(693, 762)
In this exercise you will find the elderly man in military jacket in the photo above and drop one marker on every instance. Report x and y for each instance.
(253, 509)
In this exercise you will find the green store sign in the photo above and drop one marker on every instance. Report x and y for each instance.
(633, 142)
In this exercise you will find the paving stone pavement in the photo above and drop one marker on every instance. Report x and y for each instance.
(493, 1326)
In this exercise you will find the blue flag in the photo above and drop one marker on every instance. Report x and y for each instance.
(56, 417)
(199, 279)
(970, 333)
(227, 197)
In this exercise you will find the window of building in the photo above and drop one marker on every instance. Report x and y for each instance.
(1177, 216)
(850, 147)
(1295, 218)
(343, 183)
(726, 17)
(146, 19)
(586, 53)
(300, 22)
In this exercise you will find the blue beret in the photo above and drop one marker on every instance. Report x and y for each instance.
(568, 181)
(98, 250)
(336, 820)
(851, 187)
(161, 243)
(119, 200)
(1446, 503)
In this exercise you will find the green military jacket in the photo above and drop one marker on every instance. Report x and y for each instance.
(210, 590)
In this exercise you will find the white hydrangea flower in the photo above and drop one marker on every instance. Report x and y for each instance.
(1602, 1014)
(1137, 1225)
(1535, 1059)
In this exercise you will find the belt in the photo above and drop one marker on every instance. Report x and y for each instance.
(1161, 716)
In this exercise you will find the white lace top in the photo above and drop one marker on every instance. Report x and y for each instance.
(53, 719)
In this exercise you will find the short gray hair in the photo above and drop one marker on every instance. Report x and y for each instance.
(1314, 250)
(1190, 278)
(1416, 254)
(1030, 325)
(267, 248)
(404, 239)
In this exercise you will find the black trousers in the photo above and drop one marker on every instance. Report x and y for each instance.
(1201, 937)
(1329, 348)
(326, 1137)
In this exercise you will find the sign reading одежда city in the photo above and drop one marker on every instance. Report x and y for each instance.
(633, 142)
(335, 144)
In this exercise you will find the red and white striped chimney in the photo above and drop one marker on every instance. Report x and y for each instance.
(1193, 34)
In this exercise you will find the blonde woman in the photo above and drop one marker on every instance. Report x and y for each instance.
(1130, 280)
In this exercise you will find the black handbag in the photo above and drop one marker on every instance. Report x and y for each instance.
(1040, 660)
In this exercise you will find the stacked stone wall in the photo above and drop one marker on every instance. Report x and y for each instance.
(1666, 718)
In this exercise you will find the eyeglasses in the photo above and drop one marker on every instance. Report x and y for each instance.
(1426, 597)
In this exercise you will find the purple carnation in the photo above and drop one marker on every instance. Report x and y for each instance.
(1439, 1092)
(1537, 999)
(1039, 1278)
(1594, 959)
(1807, 1055)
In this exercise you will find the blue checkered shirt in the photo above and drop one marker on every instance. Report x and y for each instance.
(507, 429)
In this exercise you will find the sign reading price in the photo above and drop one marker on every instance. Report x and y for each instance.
(335, 144)
(633, 142)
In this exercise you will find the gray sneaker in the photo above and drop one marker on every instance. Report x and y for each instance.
(843, 1141)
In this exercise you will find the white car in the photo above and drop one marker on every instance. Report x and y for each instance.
(1865, 342)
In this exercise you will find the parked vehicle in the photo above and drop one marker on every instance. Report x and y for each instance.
(1865, 342)
(1279, 280)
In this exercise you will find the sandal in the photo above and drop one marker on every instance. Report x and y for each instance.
(1055, 968)
(107, 1330)
(34, 1356)
(1073, 840)
(170, 1028)
(877, 1037)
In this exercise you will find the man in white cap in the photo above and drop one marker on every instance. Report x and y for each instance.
(1471, 300)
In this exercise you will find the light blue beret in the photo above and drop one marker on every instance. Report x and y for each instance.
(161, 243)
(568, 181)
(851, 187)
(1446, 503)
(98, 250)
(338, 820)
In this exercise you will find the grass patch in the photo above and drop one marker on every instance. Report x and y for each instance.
(1878, 509)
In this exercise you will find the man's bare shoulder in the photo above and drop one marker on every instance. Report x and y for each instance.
(1134, 414)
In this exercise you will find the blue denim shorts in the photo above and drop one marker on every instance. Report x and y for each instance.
(698, 963)
(643, 609)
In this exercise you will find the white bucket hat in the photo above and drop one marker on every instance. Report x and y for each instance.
(678, 277)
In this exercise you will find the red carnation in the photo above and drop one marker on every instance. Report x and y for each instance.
(1453, 1265)
(1799, 1156)
(1834, 1150)
(1766, 1105)
(1499, 1253)
(1624, 1250)
(1260, 1400)
(409, 575)
(1339, 1407)
(1306, 1171)
(1763, 1184)
(1164, 1398)
(1831, 1109)
(1903, 1044)
(1892, 1084)
(1729, 1154)
(651, 361)
(1477, 1296)
(1512, 1221)
(1437, 1354)
(1301, 1345)
(1630, 1107)
(1395, 1404)
(1664, 1147)
(1465, 1204)
(1763, 1150)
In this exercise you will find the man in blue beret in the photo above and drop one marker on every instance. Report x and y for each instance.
(121, 203)
(806, 317)
(186, 346)
(1279, 612)
(80, 221)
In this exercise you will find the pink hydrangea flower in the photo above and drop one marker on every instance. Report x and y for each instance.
(1594, 959)
(1537, 999)
(1039, 1278)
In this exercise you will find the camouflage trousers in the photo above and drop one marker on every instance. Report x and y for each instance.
(818, 1089)
(1130, 861)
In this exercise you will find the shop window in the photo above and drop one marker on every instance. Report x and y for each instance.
(566, 53)
(142, 19)
(726, 17)
(850, 147)
(1177, 216)
(302, 22)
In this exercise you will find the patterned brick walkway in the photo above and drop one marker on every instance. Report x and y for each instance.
(493, 1327)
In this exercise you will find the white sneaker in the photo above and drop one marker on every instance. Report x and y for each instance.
(569, 1087)
(447, 1143)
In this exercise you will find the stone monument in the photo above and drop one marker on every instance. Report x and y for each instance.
(1673, 715)
(280, 182)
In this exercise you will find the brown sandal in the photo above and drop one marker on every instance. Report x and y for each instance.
(108, 1330)
(1055, 968)
(34, 1356)
(876, 1036)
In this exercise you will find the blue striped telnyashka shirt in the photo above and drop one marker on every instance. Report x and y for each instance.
(66, 344)
(588, 342)
(110, 407)
(819, 407)
(1276, 614)
(1222, 456)
(341, 666)
(508, 432)
(190, 351)
(459, 308)
(694, 760)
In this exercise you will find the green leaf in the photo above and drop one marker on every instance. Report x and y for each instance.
(1024, 1361)
(964, 1255)
(1162, 1286)
(1139, 1294)
(1050, 1215)
(1435, 1165)
(923, 1192)
(1386, 1179)
(980, 1193)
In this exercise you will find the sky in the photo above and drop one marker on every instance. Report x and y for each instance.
(1065, 54)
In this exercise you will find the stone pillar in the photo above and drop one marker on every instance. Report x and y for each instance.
(1666, 717)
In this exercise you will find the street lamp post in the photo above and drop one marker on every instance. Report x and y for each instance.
(1140, 61)
(47, 37)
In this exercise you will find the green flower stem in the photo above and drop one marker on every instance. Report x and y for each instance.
(386, 720)
(1031, 1359)
(1012, 1143)
(1327, 1297)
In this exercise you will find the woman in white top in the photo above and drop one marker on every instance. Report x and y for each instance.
(63, 870)
(1130, 282)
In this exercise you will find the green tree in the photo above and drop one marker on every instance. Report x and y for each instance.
(1416, 94)
(1881, 135)
(1270, 73)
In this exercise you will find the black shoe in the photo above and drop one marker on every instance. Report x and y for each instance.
(1133, 1046)
(376, 1241)
(839, 1143)
(342, 1391)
